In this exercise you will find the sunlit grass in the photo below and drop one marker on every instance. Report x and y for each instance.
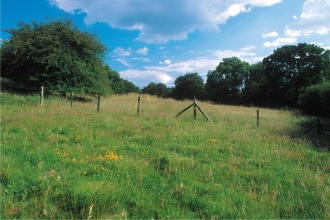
(63, 162)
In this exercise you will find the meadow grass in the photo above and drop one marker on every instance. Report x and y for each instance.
(63, 162)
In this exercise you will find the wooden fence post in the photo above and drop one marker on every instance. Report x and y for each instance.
(258, 118)
(138, 109)
(71, 99)
(98, 102)
(42, 95)
(207, 117)
(195, 105)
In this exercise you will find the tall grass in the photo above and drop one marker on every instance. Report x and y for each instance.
(63, 162)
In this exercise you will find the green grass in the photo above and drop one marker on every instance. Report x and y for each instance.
(63, 162)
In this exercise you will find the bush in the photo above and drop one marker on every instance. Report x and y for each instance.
(316, 100)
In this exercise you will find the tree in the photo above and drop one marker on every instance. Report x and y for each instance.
(130, 87)
(253, 82)
(163, 91)
(188, 86)
(215, 87)
(56, 55)
(291, 69)
(151, 89)
(117, 84)
(159, 89)
(227, 81)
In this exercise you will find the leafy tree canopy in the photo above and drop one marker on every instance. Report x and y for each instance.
(159, 89)
(226, 82)
(57, 55)
(291, 69)
(188, 86)
(130, 87)
(252, 84)
(117, 84)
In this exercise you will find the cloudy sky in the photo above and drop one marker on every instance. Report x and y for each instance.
(159, 40)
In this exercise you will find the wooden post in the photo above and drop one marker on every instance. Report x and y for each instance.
(71, 99)
(42, 95)
(319, 127)
(195, 106)
(138, 109)
(207, 117)
(258, 118)
(98, 102)
(195, 109)
(184, 110)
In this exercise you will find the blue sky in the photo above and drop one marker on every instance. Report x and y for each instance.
(158, 40)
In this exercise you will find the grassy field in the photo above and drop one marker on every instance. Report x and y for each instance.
(63, 162)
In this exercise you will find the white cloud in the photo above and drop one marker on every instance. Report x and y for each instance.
(143, 51)
(123, 61)
(160, 21)
(270, 34)
(142, 76)
(242, 55)
(322, 30)
(315, 30)
(320, 45)
(291, 33)
(143, 59)
(315, 9)
(314, 19)
(165, 62)
(294, 17)
(121, 52)
(220, 54)
(253, 60)
(262, 3)
(248, 48)
(280, 41)
(202, 65)
(180, 67)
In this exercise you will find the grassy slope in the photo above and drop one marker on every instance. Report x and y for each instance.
(62, 162)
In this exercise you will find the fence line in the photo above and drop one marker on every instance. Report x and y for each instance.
(321, 129)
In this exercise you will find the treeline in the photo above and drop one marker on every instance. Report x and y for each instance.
(296, 76)
(56, 55)
(119, 85)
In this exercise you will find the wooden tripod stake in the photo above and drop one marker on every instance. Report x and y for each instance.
(195, 106)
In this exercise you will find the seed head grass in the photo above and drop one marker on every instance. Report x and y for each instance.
(59, 161)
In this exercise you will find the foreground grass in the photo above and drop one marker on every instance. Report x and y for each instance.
(63, 162)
